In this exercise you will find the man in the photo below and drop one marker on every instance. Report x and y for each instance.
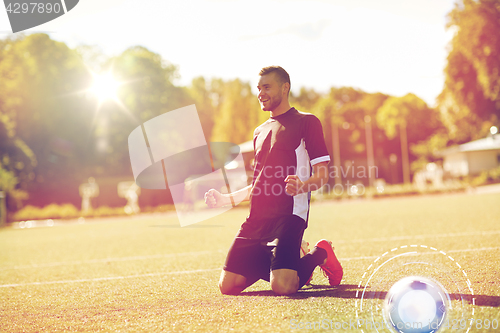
(268, 243)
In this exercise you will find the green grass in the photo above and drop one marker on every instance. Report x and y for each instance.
(146, 274)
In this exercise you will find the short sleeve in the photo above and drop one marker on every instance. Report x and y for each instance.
(315, 141)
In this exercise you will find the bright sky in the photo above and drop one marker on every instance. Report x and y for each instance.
(390, 46)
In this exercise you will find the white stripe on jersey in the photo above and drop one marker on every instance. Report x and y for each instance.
(301, 201)
(320, 159)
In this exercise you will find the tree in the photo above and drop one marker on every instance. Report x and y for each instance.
(477, 38)
(305, 100)
(341, 112)
(147, 90)
(410, 111)
(237, 112)
(412, 118)
(471, 95)
(38, 109)
(201, 94)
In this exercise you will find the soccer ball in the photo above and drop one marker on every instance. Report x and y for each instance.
(416, 305)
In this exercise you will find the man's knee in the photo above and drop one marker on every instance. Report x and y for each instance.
(284, 282)
(227, 288)
(231, 284)
(284, 287)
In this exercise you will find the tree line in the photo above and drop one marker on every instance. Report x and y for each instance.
(53, 131)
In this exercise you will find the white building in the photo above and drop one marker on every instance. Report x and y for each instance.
(473, 157)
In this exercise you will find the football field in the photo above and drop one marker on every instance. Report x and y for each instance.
(147, 274)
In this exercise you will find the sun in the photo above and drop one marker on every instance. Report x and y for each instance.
(105, 86)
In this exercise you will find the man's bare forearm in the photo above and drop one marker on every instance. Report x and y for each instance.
(237, 196)
(318, 178)
(315, 182)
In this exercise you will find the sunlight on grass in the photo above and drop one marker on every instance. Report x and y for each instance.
(128, 274)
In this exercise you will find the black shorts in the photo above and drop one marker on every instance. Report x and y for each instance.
(251, 256)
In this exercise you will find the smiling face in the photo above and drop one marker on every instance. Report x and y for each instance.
(271, 92)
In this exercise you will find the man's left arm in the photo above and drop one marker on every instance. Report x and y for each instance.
(319, 178)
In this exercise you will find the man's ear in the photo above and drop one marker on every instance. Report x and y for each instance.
(286, 87)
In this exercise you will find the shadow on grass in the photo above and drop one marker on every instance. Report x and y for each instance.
(480, 300)
(484, 300)
(342, 291)
(317, 290)
(352, 291)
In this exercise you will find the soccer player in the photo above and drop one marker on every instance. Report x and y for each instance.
(290, 161)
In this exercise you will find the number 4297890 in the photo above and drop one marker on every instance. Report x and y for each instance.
(477, 323)
(33, 7)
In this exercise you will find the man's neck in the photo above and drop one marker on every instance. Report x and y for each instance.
(282, 108)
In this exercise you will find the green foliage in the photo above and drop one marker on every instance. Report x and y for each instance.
(200, 92)
(8, 183)
(149, 83)
(427, 150)
(487, 177)
(158, 209)
(38, 107)
(68, 211)
(397, 190)
(346, 108)
(411, 112)
(147, 90)
(477, 38)
(238, 112)
(471, 95)
(8, 180)
(52, 211)
(103, 211)
(306, 99)
(53, 129)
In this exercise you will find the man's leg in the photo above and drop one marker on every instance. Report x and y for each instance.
(288, 281)
(284, 281)
(247, 261)
(308, 263)
(233, 284)
(285, 262)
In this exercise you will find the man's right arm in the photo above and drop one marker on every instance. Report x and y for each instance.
(215, 199)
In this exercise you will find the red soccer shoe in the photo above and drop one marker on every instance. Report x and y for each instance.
(332, 268)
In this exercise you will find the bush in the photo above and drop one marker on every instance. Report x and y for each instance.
(52, 211)
(487, 177)
(158, 209)
(68, 211)
(396, 190)
(103, 211)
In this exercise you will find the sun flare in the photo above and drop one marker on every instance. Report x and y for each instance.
(105, 86)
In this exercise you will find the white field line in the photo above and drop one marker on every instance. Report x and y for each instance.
(200, 271)
(384, 239)
(433, 252)
(156, 256)
(106, 260)
(108, 278)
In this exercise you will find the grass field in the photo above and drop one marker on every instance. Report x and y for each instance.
(147, 274)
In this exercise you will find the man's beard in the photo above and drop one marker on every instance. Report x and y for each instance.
(275, 102)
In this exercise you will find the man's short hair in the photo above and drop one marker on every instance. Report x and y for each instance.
(281, 74)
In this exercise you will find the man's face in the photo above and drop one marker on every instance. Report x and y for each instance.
(270, 92)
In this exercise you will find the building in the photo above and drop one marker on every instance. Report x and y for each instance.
(473, 157)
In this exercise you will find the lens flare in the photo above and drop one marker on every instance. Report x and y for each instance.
(105, 86)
